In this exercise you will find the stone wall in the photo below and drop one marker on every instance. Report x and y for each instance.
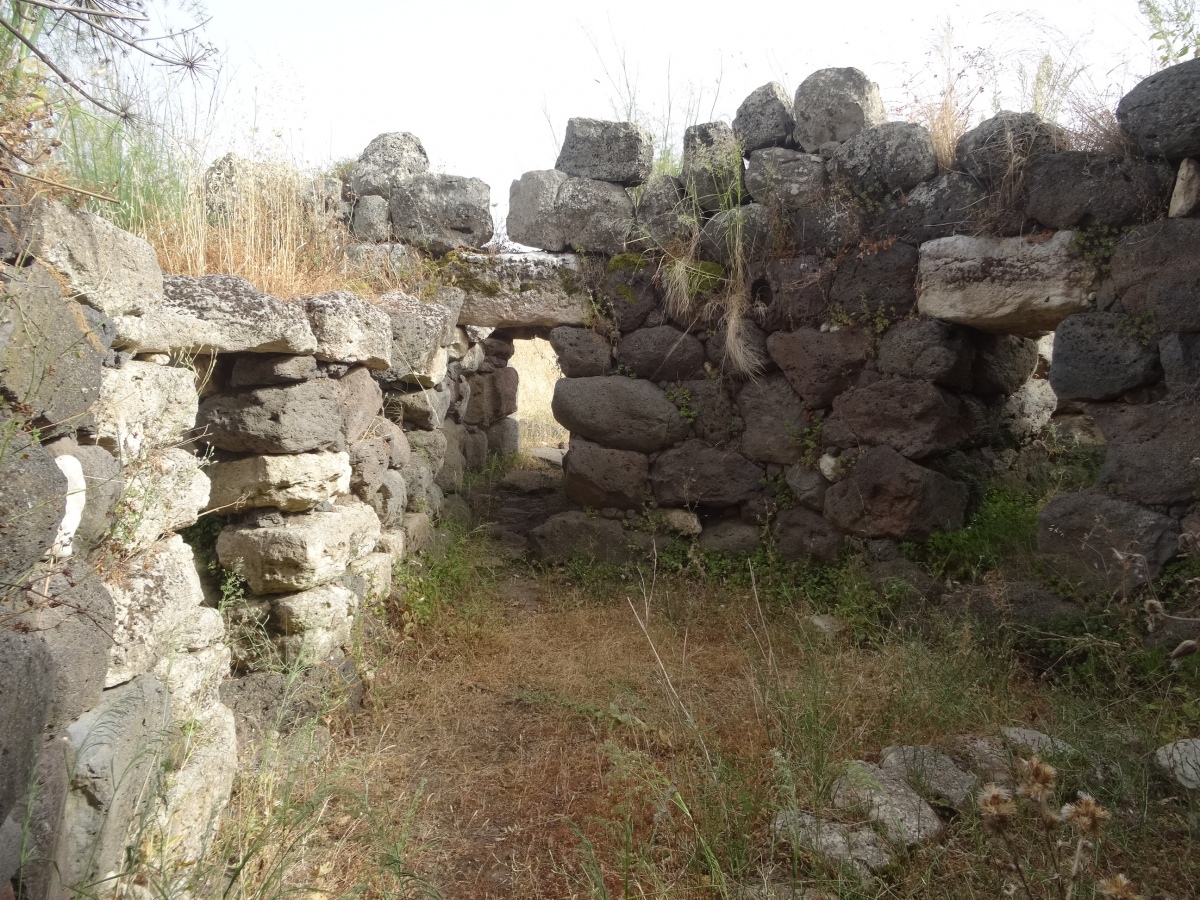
(810, 334)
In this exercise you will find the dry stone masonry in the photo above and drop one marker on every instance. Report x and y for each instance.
(807, 337)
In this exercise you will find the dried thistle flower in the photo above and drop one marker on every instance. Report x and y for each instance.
(996, 805)
(1085, 815)
(1037, 780)
(1118, 887)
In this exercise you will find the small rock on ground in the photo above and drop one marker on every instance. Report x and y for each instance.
(859, 847)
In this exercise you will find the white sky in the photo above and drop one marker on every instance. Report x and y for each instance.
(488, 85)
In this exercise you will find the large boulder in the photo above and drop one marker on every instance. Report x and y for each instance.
(277, 553)
(314, 415)
(421, 331)
(1160, 112)
(371, 222)
(1152, 451)
(914, 417)
(601, 478)
(218, 314)
(775, 420)
(820, 365)
(493, 397)
(421, 408)
(439, 213)
(620, 152)
(802, 535)
(698, 473)
(33, 500)
(26, 691)
(883, 159)
(714, 420)
(887, 496)
(662, 353)
(1005, 285)
(389, 159)
(888, 800)
(618, 412)
(159, 612)
(576, 535)
(581, 352)
(712, 170)
(313, 625)
(348, 329)
(553, 211)
(262, 369)
(1155, 273)
(928, 350)
(144, 406)
(517, 290)
(942, 206)
(1180, 358)
(1100, 356)
(293, 483)
(1105, 543)
(116, 748)
(731, 536)
(100, 265)
(50, 353)
(765, 119)
(880, 281)
(1076, 188)
(996, 149)
(835, 105)
(786, 179)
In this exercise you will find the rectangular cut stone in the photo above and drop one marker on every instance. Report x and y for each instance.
(511, 290)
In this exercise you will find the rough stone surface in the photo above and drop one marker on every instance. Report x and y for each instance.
(348, 329)
(662, 353)
(993, 149)
(931, 774)
(423, 408)
(882, 281)
(1151, 451)
(195, 794)
(370, 222)
(33, 493)
(808, 486)
(143, 406)
(1180, 761)
(165, 491)
(1159, 113)
(696, 472)
(929, 350)
(748, 232)
(620, 152)
(281, 552)
(1028, 411)
(887, 496)
(618, 412)
(712, 171)
(493, 397)
(114, 748)
(1185, 197)
(553, 211)
(504, 438)
(312, 415)
(50, 353)
(802, 535)
(1003, 362)
(1180, 358)
(261, 370)
(1075, 188)
(1004, 285)
(390, 498)
(388, 159)
(104, 486)
(661, 215)
(889, 801)
(940, 207)
(730, 536)
(291, 483)
(313, 624)
(775, 420)
(1155, 274)
(421, 331)
(914, 417)
(511, 290)
(596, 477)
(820, 365)
(576, 535)
(581, 352)
(894, 156)
(218, 314)
(786, 179)
(1100, 356)
(765, 119)
(439, 213)
(1103, 542)
(860, 849)
(26, 694)
(101, 265)
(835, 105)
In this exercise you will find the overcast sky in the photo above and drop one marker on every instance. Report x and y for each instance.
(488, 86)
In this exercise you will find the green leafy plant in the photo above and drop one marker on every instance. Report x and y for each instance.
(623, 369)
(1097, 243)
(682, 398)
(1173, 29)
